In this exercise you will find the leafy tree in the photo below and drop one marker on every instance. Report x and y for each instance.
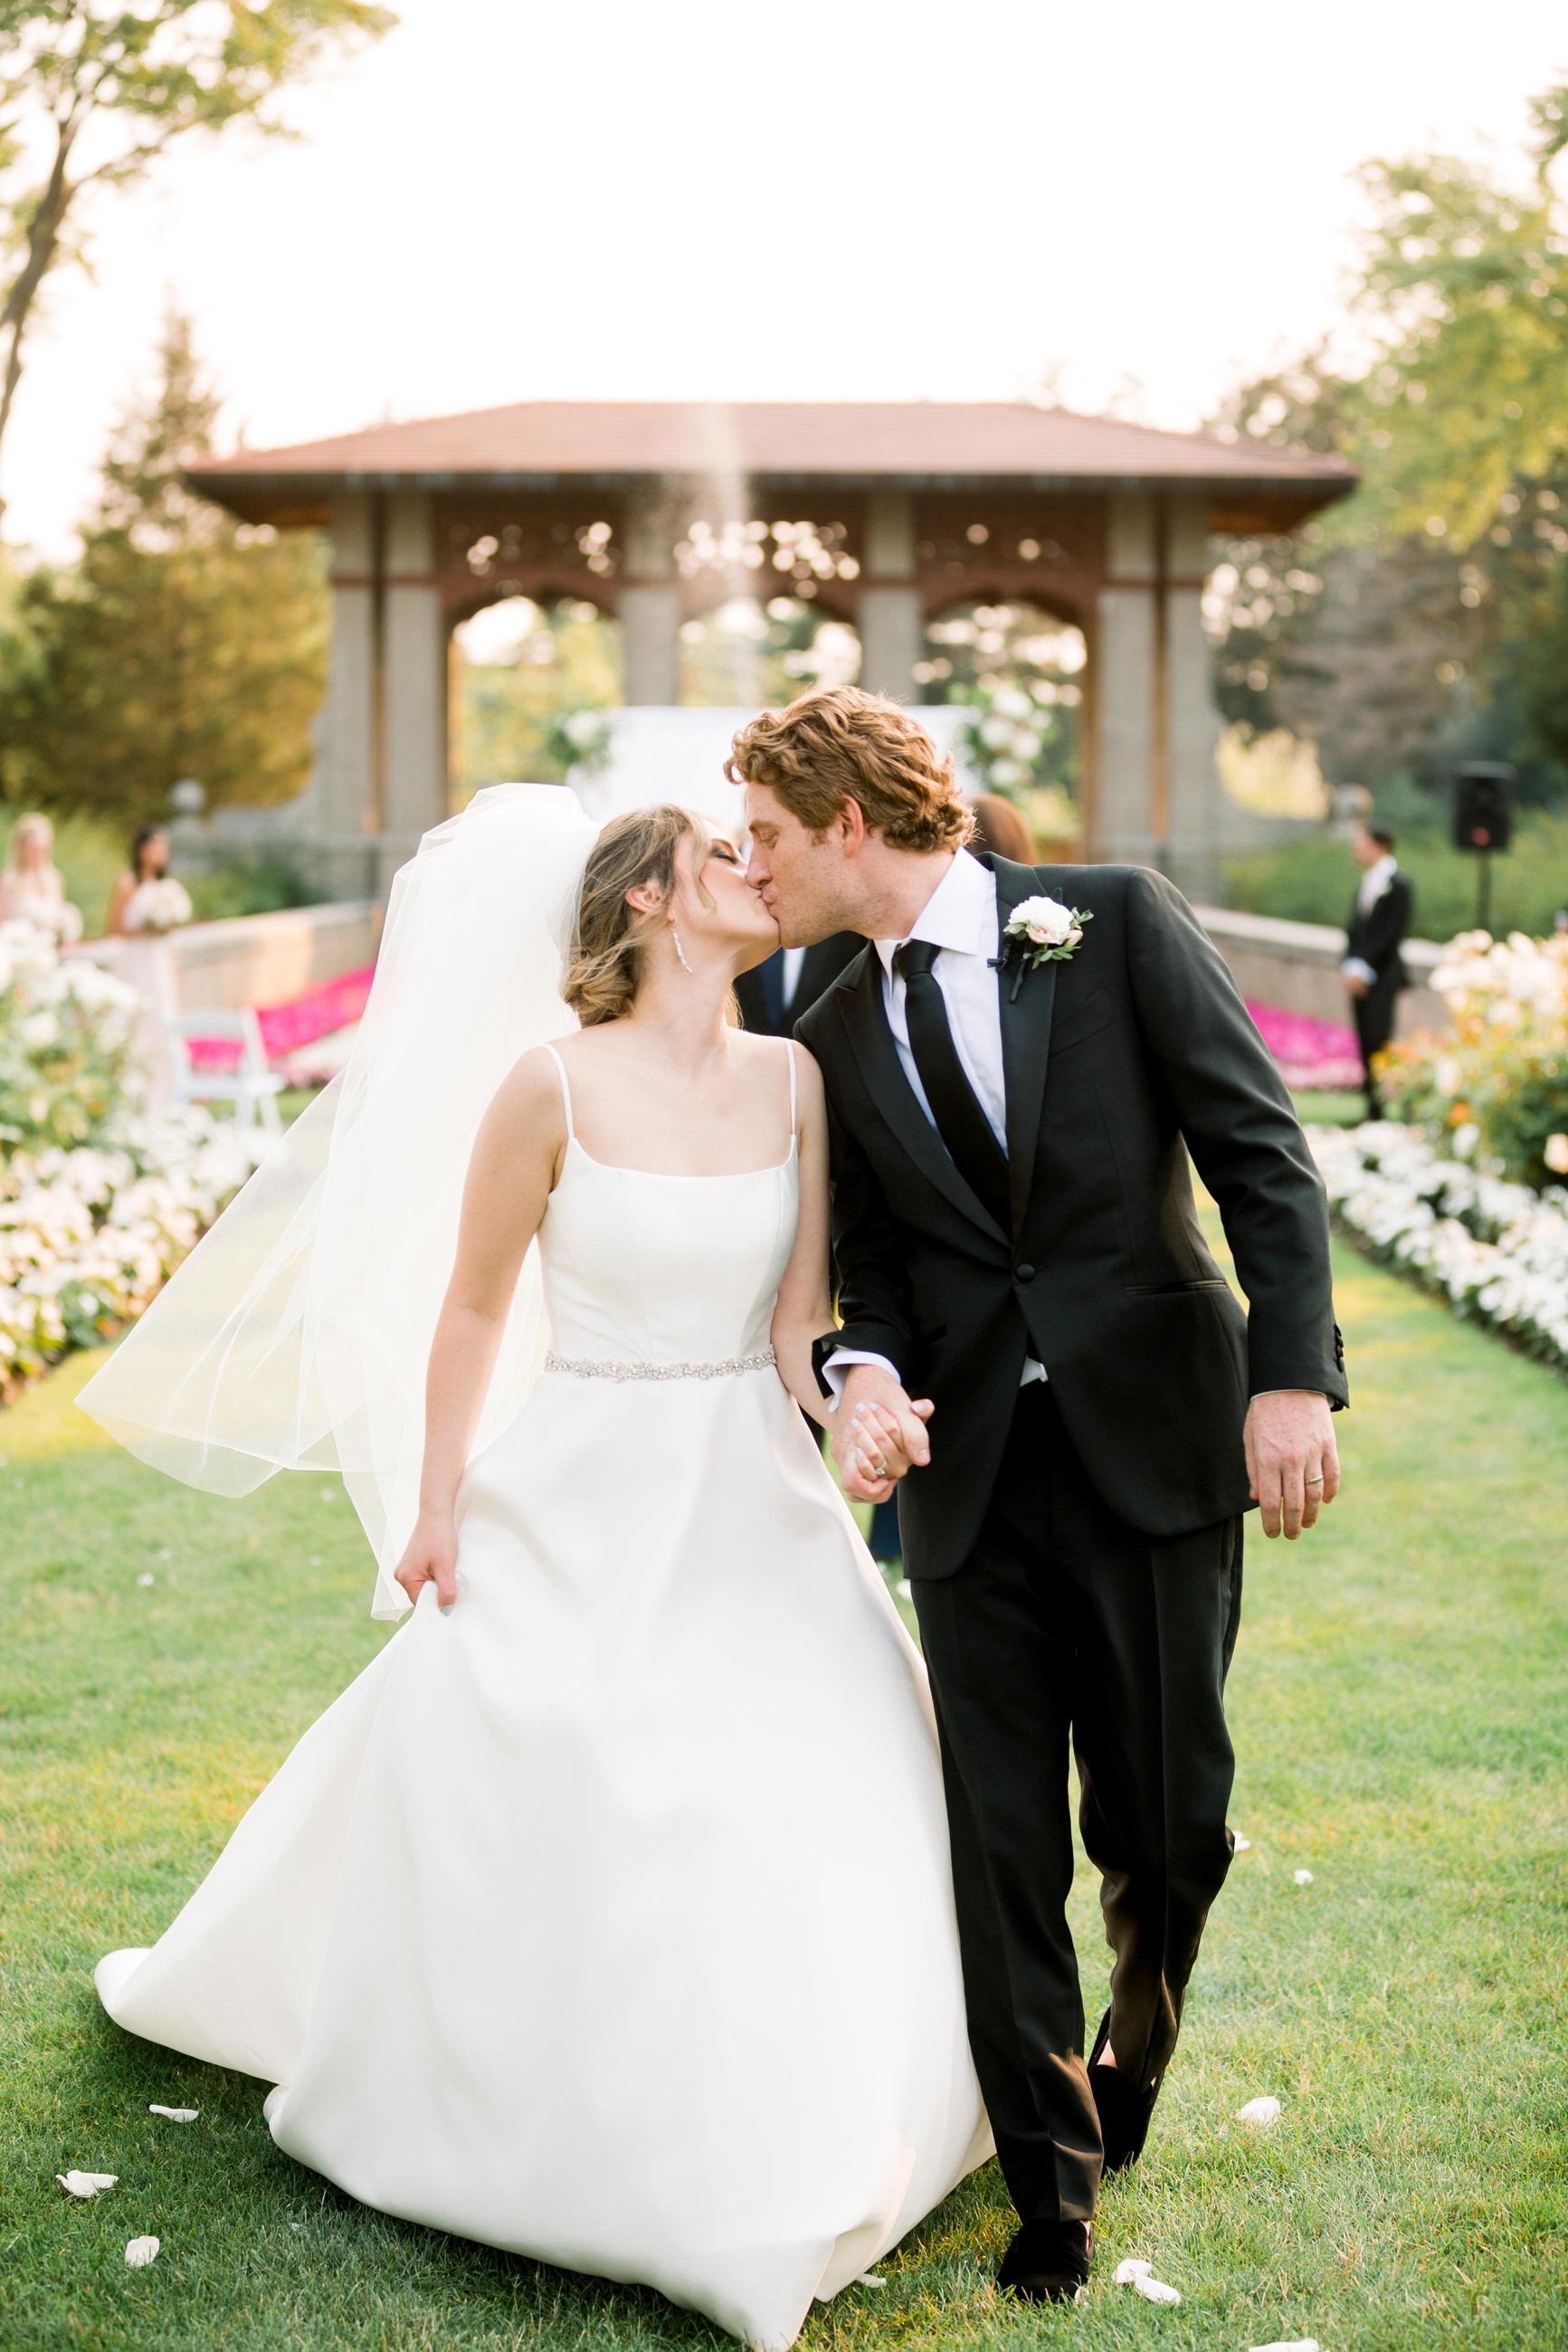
(91, 94)
(183, 644)
(1428, 614)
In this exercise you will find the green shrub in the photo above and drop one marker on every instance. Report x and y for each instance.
(1313, 880)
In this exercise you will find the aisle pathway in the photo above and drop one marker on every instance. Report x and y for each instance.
(1398, 1709)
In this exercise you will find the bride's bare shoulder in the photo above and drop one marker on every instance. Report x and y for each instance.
(531, 1089)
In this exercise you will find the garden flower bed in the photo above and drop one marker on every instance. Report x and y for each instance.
(1497, 1250)
(1320, 1055)
(89, 1235)
(97, 1204)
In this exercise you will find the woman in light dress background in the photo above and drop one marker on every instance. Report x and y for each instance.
(607, 1917)
(145, 905)
(32, 887)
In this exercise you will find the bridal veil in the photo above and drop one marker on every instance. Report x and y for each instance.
(295, 1336)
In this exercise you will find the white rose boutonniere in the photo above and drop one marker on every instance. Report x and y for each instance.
(1040, 931)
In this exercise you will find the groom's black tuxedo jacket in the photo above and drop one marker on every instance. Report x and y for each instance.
(1114, 1058)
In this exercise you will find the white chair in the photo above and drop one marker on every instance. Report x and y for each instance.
(252, 1088)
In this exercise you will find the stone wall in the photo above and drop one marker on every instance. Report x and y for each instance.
(1296, 967)
(265, 960)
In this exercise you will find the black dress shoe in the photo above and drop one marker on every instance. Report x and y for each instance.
(1124, 2109)
(1048, 2261)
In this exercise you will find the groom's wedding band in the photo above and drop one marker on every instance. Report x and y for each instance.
(1314, 1482)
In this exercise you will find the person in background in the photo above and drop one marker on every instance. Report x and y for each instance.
(773, 997)
(1374, 969)
(32, 887)
(1001, 828)
(145, 906)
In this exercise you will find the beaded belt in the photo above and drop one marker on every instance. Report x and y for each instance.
(585, 1369)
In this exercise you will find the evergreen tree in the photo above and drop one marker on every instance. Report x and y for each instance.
(183, 642)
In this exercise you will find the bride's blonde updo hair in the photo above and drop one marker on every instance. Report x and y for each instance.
(605, 968)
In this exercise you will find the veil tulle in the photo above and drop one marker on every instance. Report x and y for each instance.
(295, 1337)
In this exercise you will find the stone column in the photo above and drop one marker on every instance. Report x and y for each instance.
(1125, 685)
(413, 698)
(1192, 725)
(892, 622)
(348, 811)
(651, 596)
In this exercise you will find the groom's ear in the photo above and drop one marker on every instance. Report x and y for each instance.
(851, 825)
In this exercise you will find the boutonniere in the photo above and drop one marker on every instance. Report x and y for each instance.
(1040, 930)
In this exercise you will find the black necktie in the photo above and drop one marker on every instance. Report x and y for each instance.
(961, 1122)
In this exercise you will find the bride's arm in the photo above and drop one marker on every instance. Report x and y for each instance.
(516, 1155)
(804, 1310)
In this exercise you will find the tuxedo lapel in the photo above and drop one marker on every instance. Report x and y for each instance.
(1027, 1005)
(865, 1020)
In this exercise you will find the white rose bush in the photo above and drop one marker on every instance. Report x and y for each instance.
(1497, 1250)
(97, 1205)
(1496, 1089)
(68, 1035)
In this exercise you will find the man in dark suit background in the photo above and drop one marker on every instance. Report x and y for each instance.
(778, 992)
(1374, 969)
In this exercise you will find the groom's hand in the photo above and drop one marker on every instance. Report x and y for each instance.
(1292, 1462)
(878, 1433)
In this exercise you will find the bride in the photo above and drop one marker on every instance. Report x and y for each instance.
(606, 1917)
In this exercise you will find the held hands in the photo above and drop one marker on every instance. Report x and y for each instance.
(431, 1558)
(878, 1434)
(1292, 1462)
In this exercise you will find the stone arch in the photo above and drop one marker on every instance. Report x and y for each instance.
(974, 646)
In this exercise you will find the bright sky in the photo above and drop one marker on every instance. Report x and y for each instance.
(849, 199)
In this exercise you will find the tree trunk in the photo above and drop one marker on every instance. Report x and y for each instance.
(43, 244)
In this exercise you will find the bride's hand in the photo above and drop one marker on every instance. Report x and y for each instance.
(431, 1558)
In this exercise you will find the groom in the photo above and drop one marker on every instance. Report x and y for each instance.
(1015, 1091)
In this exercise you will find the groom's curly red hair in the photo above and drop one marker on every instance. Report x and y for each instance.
(838, 744)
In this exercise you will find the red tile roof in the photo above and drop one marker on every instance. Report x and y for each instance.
(928, 441)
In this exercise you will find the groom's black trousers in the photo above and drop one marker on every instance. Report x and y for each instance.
(1065, 1624)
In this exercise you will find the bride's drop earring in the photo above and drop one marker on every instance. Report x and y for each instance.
(679, 950)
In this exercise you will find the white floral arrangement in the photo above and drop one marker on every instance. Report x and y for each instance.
(1005, 736)
(97, 1205)
(1504, 982)
(579, 741)
(67, 1042)
(1495, 1089)
(88, 1236)
(161, 905)
(1497, 1250)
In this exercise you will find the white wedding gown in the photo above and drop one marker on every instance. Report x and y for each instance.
(609, 1919)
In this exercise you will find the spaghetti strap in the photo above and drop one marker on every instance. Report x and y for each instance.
(566, 1091)
(789, 1049)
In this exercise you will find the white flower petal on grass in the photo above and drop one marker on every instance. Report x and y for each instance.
(1260, 2114)
(175, 2115)
(140, 2252)
(85, 2184)
(1302, 1877)
(871, 2278)
(1239, 1844)
(145, 1579)
(1140, 2277)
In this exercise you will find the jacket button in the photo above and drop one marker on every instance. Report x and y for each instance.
(1024, 1272)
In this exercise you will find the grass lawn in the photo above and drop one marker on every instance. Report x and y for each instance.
(1399, 1703)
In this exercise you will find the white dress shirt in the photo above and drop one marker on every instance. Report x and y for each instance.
(960, 918)
(1374, 882)
(794, 965)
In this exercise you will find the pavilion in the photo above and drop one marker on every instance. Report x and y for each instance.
(884, 516)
